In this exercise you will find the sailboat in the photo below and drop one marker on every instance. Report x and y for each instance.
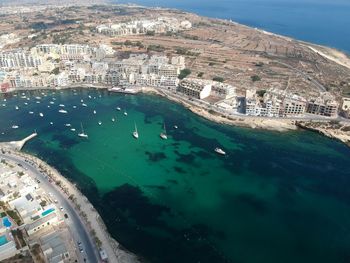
(82, 133)
(135, 133)
(163, 134)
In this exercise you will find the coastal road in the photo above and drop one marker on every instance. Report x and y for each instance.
(76, 225)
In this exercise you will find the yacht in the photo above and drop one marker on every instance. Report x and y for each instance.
(82, 133)
(48, 106)
(135, 134)
(100, 123)
(113, 120)
(125, 113)
(15, 127)
(51, 123)
(175, 127)
(38, 98)
(72, 129)
(84, 105)
(163, 134)
(81, 101)
(61, 105)
(62, 111)
(89, 96)
(31, 112)
(25, 103)
(17, 108)
(118, 108)
(52, 102)
(220, 151)
(74, 107)
(94, 112)
(37, 102)
(68, 125)
(41, 115)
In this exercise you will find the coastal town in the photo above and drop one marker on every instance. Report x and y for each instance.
(44, 217)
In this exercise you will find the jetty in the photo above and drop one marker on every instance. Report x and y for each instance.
(17, 145)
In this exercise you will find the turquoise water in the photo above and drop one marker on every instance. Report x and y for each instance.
(6, 222)
(48, 211)
(3, 240)
(325, 22)
(276, 197)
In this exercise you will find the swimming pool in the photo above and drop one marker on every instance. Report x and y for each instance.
(48, 211)
(3, 240)
(6, 222)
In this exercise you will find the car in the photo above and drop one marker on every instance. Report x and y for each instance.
(61, 208)
(55, 201)
(81, 249)
(65, 216)
(79, 243)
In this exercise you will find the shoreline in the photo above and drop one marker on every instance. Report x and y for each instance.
(89, 216)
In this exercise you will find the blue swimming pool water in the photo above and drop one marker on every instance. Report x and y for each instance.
(48, 211)
(3, 240)
(6, 222)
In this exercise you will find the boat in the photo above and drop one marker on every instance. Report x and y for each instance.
(48, 106)
(82, 133)
(94, 112)
(72, 129)
(51, 123)
(135, 134)
(175, 127)
(81, 101)
(61, 105)
(163, 134)
(89, 96)
(41, 115)
(38, 102)
(84, 105)
(125, 113)
(113, 120)
(220, 151)
(38, 98)
(100, 123)
(63, 111)
(52, 102)
(15, 127)
(17, 108)
(118, 108)
(68, 125)
(31, 112)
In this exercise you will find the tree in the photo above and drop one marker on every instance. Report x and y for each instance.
(184, 73)
(255, 78)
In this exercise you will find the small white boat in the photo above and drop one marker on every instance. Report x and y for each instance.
(52, 102)
(72, 129)
(163, 134)
(118, 108)
(100, 123)
(17, 108)
(25, 103)
(113, 120)
(125, 113)
(31, 112)
(51, 123)
(220, 151)
(15, 126)
(175, 127)
(38, 98)
(41, 114)
(94, 112)
(81, 101)
(82, 133)
(4, 105)
(53, 98)
(48, 106)
(63, 111)
(68, 125)
(84, 105)
(135, 134)
(74, 107)
(61, 105)
(89, 96)
(37, 102)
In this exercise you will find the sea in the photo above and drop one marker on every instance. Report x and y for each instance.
(275, 197)
(324, 22)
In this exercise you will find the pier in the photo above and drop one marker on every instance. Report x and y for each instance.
(17, 145)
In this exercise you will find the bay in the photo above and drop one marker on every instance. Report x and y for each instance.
(276, 197)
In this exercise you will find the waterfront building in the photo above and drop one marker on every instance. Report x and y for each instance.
(293, 106)
(346, 106)
(41, 223)
(194, 88)
(325, 105)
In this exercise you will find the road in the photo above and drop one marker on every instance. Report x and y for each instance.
(77, 227)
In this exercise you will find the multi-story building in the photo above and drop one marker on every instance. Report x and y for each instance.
(194, 88)
(325, 105)
(294, 105)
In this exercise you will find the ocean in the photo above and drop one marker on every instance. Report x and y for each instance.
(276, 197)
(324, 22)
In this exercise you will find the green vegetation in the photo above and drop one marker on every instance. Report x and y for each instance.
(211, 64)
(259, 64)
(20, 173)
(200, 74)
(184, 73)
(255, 78)
(14, 215)
(55, 71)
(157, 48)
(43, 203)
(150, 33)
(219, 79)
(261, 93)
